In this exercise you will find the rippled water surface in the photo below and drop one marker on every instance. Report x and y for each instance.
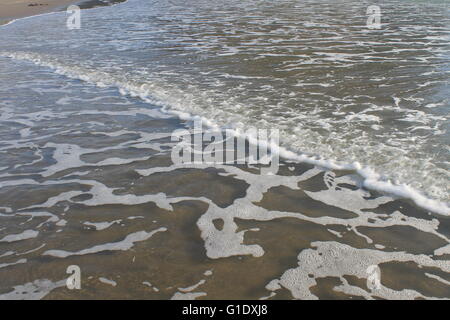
(312, 69)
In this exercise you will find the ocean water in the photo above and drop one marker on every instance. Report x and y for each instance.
(335, 89)
(86, 177)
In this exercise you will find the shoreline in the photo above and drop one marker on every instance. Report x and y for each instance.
(371, 180)
(11, 10)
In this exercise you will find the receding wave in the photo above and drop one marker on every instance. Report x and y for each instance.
(185, 105)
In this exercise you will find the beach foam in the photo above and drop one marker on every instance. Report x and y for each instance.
(151, 93)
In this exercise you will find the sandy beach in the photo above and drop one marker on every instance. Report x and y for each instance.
(12, 9)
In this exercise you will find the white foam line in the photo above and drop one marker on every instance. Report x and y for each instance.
(187, 296)
(155, 289)
(123, 245)
(193, 287)
(3, 265)
(9, 22)
(372, 180)
(7, 253)
(32, 250)
(433, 276)
(27, 234)
(32, 290)
(107, 281)
(28, 17)
(101, 225)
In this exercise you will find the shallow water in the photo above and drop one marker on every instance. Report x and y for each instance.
(86, 176)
